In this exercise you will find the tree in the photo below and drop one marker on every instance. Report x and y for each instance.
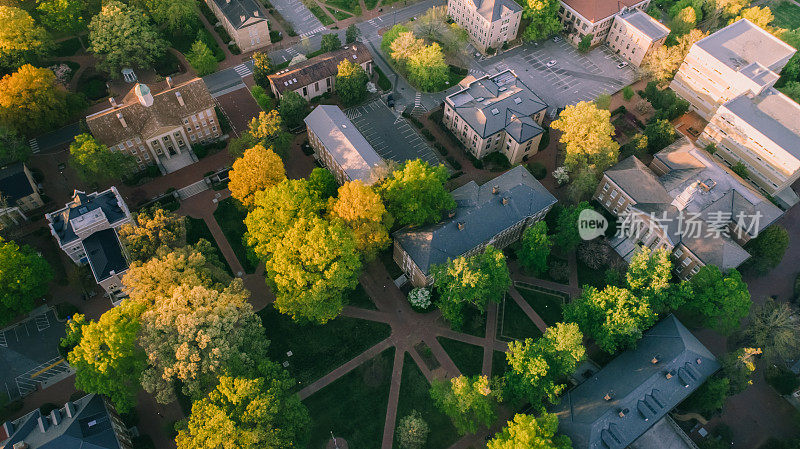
(710, 397)
(738, 368)
(154, 229)
(177, 15)
(475, 280)
(216, 332)
(792, 90)
(351, 34)
(121, 36)
(260, 413)
(543, 16)
(24, 276)
(528, 431)
(362, 211)
(627, 93)
(774, 328)
(767, 249)
(30, 100)
(311, 267)
(66, 16)
(428, 69)
(412, 431)
(603, 101)
(684, 21)
(648, 276)
(322, 182)
(583, 185)
(664, 61)
(19, 35)
(94, 161)
(566, 236)
(390, 36)
(535, 248)
(330, 42)
(201, 58)
(659, 133)
(107, 359)
(761, 16)
(415, 194)
(586, 135)
(538, 367)
(586, 43)
(351, 83)
(266, 126)
(405, 46)
(12, 147)
(719, 301)
(470, 402)
(293, 109)
(262, 68)
(259, 169)
(614, 317)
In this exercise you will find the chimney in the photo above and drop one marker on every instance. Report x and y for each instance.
(623, 412)
(113, 102)
(255, 13)
(43, 423)
(607, 397)
(180, 98)
(169, 82)
(654, 360)
(242, 17)
(451, 214)
(669, 375)
(55, 417)
(505, 200)
(495, 190)
(69, 409)
(699, 361)
(461, 225)
(122, 120)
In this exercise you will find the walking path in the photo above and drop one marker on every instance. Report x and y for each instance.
(537, 320)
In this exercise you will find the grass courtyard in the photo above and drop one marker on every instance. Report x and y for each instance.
(468, 358)
(514, 324)
(230, 217)
(787, 15)
(548, 306)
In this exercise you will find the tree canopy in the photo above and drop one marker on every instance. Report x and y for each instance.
(12, 147)
(415, 195)
(66, 16)
(543, 16)
(95, 161)
(528, 431)
(177, 15)
(774, 328)
(664, 61)
(534, 248)
(20, 35)
(122, 36)
(470, 402)
(24, 278)
(351, 83)
(30, 100)
(586, 136)
(258, 169)
(361, 209)
(330, 42)
(202, 58)
(293, 109)
(767, 249)
(566, 236)
(718, 300)
(155, 228)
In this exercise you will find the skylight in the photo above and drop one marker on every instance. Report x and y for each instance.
(495, 111)
(517, 100)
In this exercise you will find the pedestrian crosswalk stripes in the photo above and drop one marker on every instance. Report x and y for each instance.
(243, 70)
(34, 144)
(313, 32)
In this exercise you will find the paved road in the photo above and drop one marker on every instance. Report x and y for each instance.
(294, 11)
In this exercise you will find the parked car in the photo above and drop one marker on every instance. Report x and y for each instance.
(556, 39)
(390, 101)
(622, 65)
(550, 63)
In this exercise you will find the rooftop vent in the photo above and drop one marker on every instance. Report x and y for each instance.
(609, 396)
(495, 190)
(503, 89)
(669, 374)
(294, 80)
(255, 13)
(461, 225)
(344, 126)
(169, 82)
(495, 111)
(480, 99)
(355, 56)
(623, 412)
(21, 445)
(451, 214)
(505, 200)
(518, 100)
(180, 98)
(699, 361)
(242, 17)
(69, 409)
(655, 359)
(122, 120)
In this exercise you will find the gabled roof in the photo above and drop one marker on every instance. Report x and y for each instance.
(241, 13)
(345, 144)
(14, 183)
(480, 215)
(597, 10)
(108, 202)
(318, 68)
(637, 387)
(496, 102)
(492, 10)
(638, 181)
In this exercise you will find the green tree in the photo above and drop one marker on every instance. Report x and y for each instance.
(24, 276)
(710, 397)
(412, 431)
(415, 194)
(390, 36)
(543, 16)
(718, 301)
(774, 328)
(20, 37)
(648, 276)
(586, 136)
(767, 249)
(684, 21)
(470, 402)
(30, 100)
(260, 413)
(534, 248)
(121, 36)
(475, 280)
(201, 58)
(322, 182)
(528, 431)
(664, 61)
(614, 317)
(738, 367)
(95, 162)
(566, 237)
(330, 42)
(293, 109)
(351, 83)
(361, 210)
(179, 16)
(428, 69)
(351, 34)
(659, 133)
(258, 169)
(12, 147)
(603, 101)
(740, 169)
(65, 16)
(586, 43)
(262, 68)
(537, 368)
(107, 359)
(583, 185)
(792, 90)
(267, 128)
(154, 229)
(627, 93)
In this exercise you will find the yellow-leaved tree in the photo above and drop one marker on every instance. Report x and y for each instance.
(362, 210)
(258, 169)
(586, 136)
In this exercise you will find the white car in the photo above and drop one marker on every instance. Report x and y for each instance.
(550, 63)
(622, 65)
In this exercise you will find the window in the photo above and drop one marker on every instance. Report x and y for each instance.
(695, 269)
(605, 187)
(316, 86)
(186, 121)
(677, 253)
(130, 143)
(686, 262)
(305, 91)
(614, 194)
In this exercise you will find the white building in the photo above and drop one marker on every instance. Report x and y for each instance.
(634, 34)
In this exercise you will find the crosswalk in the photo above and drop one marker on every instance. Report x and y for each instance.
(34, 144)
(418, 100)
(3, 341)
(192, 189)
(313, 32)
(243, 70)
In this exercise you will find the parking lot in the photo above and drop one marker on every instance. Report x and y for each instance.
(574, 77)
(393, 137)
(29, 356)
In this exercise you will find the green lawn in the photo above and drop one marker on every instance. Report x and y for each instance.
(197, 229)
(319, 13)
(787, 15)
(586, 275)
(371, 4)
(514, 324)
(414, 395)
(360, 298)
(354, 406)
(499, 363)
(318, 349)
(468, 358)
(230, 217)
(548, 306)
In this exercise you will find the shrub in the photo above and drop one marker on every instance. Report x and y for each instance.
(498, 160)
(781, 379)
(559, 271)
(627, 93)
(428, 135)
(167, 65)
(490, 51)
(545, 140)
(264, 101)
(711, 148)
(586, 43)
(538, 170)
(561, 175)
(456, 165)
(740, 169)
(420, 298)
(440, 148)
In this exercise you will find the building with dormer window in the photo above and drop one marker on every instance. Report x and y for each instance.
(489, 23)
(595, 17)
(244, 20)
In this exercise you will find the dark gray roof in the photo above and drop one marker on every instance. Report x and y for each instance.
(482, 214)
(638, 181)
(651, 27)
(241, 13)
(80, 205)
(343, 141)
(104, 252)
(492, 10)
(14, 183)
(88, 428)
(493, 103)
(636, 385)
(774, 115)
